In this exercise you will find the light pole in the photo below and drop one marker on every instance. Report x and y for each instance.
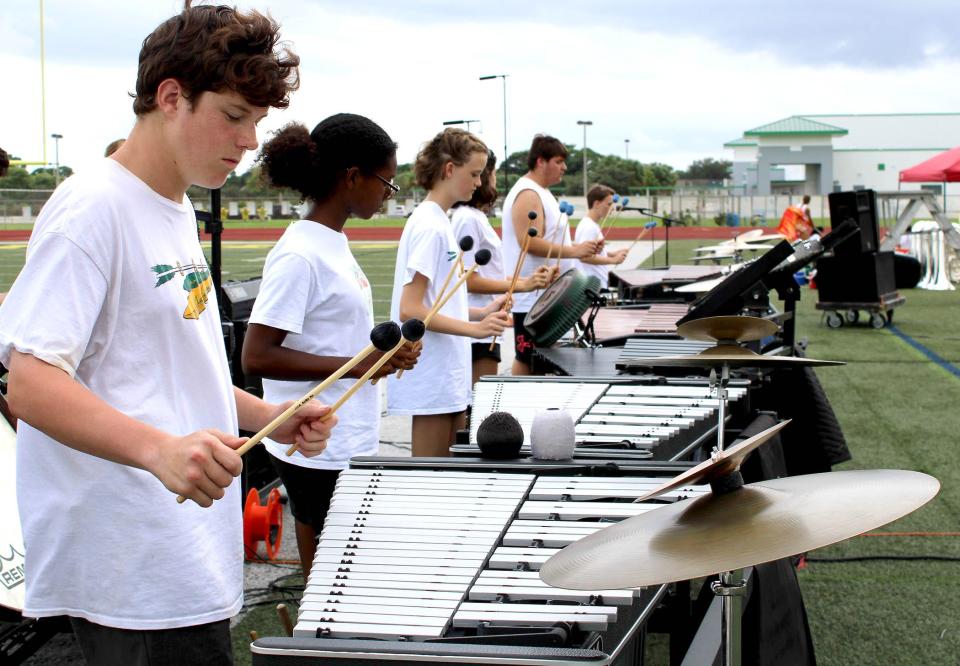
(56, 160)
(506, 172)
(626, 148)
(461, 122)
(585, 124)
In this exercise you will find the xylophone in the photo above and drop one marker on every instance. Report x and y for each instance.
(667, 420)
(436, 560)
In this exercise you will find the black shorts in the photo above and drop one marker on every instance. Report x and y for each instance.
(479, 350)
(200, 645)
(522, 340)
(309, 490)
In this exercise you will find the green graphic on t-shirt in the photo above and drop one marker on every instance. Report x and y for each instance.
(196, 282)
(451, 255)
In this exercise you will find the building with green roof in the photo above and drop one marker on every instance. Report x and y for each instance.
(821, 153)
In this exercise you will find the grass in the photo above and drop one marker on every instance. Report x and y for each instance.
(897, 411)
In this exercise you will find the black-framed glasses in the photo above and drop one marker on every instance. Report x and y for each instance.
(392, 189)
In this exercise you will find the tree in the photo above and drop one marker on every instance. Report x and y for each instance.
(708, 169)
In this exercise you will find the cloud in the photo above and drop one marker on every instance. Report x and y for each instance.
(677, 80)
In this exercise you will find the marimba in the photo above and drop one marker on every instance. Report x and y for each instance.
(653, 283)
(613, 325)
(667, 420)
(437, 561)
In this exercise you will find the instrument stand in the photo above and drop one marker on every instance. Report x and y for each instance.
(589, 335)
(213, 225)
(731, 588)
(720, 384)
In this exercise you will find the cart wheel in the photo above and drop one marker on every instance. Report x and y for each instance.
(834, 320)
(878, 320)
(852, 316)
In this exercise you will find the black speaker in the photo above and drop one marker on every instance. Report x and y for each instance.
(861, 207)
(856, 278)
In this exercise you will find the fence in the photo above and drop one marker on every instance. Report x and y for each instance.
(22, 206)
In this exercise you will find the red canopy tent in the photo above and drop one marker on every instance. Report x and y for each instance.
(942, 168)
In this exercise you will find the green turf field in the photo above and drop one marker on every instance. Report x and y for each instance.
(897, 410)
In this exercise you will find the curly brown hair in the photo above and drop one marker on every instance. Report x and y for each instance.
(451, 145)
(216, 49)
(4, 162)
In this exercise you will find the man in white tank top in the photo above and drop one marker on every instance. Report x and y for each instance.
(547, 162)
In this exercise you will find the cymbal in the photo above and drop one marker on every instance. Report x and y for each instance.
(758, 523)
(718, 465)
(741, 329)
(731, 356)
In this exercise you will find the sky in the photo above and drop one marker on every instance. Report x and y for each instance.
(677, 79)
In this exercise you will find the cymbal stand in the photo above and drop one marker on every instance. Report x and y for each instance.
(731, 588)
(720, 383)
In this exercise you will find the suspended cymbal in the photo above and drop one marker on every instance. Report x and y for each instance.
(741, 329)
(718, 465)
(731, 356)
(758, 523)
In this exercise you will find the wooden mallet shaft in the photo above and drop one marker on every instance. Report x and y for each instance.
(307, 397)
(357, 385)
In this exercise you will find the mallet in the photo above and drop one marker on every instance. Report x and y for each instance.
(383, 337)
(411, 331)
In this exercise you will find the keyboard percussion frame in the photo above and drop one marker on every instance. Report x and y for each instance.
(434, 560)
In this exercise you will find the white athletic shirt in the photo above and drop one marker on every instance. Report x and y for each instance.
(116, 292)
(588, 230)
(511, 248)
(440, 383)
(468, 221)
(314, 289)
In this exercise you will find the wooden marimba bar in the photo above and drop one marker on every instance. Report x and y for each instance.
(435, 558)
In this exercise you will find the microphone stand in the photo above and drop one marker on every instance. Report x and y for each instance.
(667, 223)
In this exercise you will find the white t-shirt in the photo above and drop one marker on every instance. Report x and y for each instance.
(511, 248)
(314, 289)
(588, 230)
(116, 292)
(469, 221)
(440, 383)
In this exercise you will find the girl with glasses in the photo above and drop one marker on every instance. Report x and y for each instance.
(314, 310)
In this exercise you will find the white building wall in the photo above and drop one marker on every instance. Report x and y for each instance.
(861, 167)
(938, 131)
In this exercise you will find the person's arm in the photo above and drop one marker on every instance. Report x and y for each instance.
(477, 284)
(599, 260)
(412, 305)
(199, 465)
(307, 427)
(265, 356)
(539, 246)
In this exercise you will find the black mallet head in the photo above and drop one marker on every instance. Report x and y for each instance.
(532, 232)
(500, 436)
(532, 215)
(482, 257)
(385, 336)
(413, 330)
(466, 243)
